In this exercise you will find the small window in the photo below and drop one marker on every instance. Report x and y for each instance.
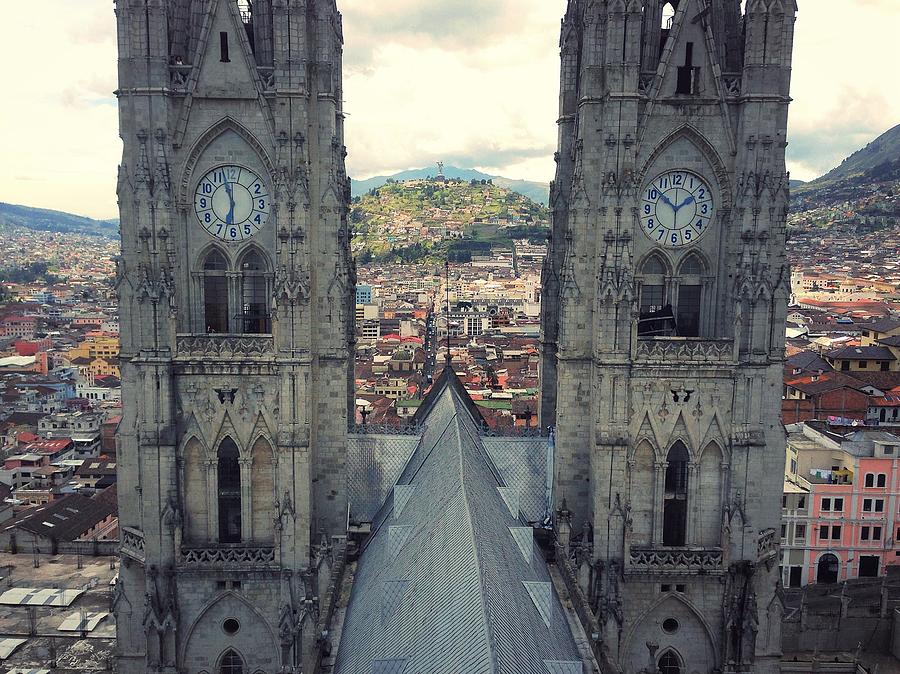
(863, 365)
(867, 505)
(823, 533)
(669, 663)
(882, 480)
(801, 503)
(876, 533)
(864, 534)
(670, 625)
(870, 480)
(838, 505)
(835, 533)
(845, 366)
(688, 82)
(879, 505)
(800, 531)
(784, 501)
(223, 47)
(784, 531)
(826, 504)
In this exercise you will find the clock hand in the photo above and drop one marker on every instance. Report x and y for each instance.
(687, 201)
(671, 205)
(229, 219)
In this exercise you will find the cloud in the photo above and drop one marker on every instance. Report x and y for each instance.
(472, 82)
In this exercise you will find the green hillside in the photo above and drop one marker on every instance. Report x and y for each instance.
(40, 219)
(429, 219)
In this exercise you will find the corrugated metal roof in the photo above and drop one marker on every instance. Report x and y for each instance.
(450, 580)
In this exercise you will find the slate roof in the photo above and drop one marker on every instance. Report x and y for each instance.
(65, 519)
(861, 353)
(451, 579)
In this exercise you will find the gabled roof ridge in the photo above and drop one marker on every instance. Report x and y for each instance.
(470, 529)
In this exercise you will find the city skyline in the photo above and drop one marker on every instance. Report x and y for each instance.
(477, 82)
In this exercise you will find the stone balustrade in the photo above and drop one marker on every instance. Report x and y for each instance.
(225, 346)
(674, 561)
(132, 543)
(673, 349)
(227, 557)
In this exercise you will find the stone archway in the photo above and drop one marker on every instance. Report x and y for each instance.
(828, 569)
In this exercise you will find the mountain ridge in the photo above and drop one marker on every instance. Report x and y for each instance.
(47, 220)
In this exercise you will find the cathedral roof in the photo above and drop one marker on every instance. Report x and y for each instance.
(451, 579)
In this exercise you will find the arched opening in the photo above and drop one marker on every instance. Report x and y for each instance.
(195, 492)
(828, 569)
(676, 489)
(231, 663)
(262, 492)
(668, 16)
(255, 295)
(710, 497)
(215, 292)
(656, 316)
(229, 492)
(690, 292)
(669, 663)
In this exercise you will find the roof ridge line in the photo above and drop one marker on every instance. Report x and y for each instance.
(492, 651)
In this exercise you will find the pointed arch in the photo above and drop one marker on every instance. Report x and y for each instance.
(675, 490)
(692, 135)
(207, 138)
(195, 490)
(257, 287)
(256, 635)
(709, 496)
(689, 637)
(642, 478)
(213, 266)
(228, 491)
(654, 272)
(670, 662)
(262, 490)
(231, 662)
(668, 14)
(693, 264)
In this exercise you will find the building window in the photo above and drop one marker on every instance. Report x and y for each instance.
(870, 480)
(232, 663)
(676, 489)
(783, 531)
(826, 505)
(879, 505)
(867, 505)
(801, 503)
(688, 81)
(229, 492)
(800, 532)
(669, 663)
(882, 480)
(688, 319)
(656, 317)
(864, 534)
(838, 505)
(876, 533)
(828, 569)
(215, 292)
(223, 47)
(255, 295)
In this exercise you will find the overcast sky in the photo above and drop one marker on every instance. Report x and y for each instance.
(469, 82)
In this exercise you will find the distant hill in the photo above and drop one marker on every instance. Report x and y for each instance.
(537, 192)
(40, 219)
(877, 162)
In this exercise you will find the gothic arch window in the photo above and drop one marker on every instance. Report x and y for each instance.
(690, 295)
(255, 293)
(668, 15)
(676, 496)
(229, 492)
(670, 663)
(215, 292)
(231, 663)
(655, 310)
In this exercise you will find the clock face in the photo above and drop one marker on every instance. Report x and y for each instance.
(232, 203)
(676, 208)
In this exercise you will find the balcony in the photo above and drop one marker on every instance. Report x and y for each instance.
(132, 543)
(665, 350)
(225, 346)
(227, 557)
(675, 561)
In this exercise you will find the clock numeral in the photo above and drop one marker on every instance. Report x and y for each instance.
(247, 230)
(702, 193)
(660, 234)
(699, 226)
(653, 194)
(647, 209)
(203, 202)
(704, 209)
(675, 238)
(650, 224)
(258, 219)
(219, 227)
(678, 180)
(207, 188)
(207, 218)
(233, 232)
(262, 204)
(257, 188)
(687, 235)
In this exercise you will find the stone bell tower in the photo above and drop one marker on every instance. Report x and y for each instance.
(235, 286)
(665, 295)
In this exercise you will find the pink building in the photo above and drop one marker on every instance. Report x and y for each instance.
(841, 506)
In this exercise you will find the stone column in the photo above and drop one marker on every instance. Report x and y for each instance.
(246, 504)
(212, 498)
(695, 500)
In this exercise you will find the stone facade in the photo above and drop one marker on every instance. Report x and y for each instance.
(236, 351)
(662, 364)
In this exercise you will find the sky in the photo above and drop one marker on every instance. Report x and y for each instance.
(472, 83)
